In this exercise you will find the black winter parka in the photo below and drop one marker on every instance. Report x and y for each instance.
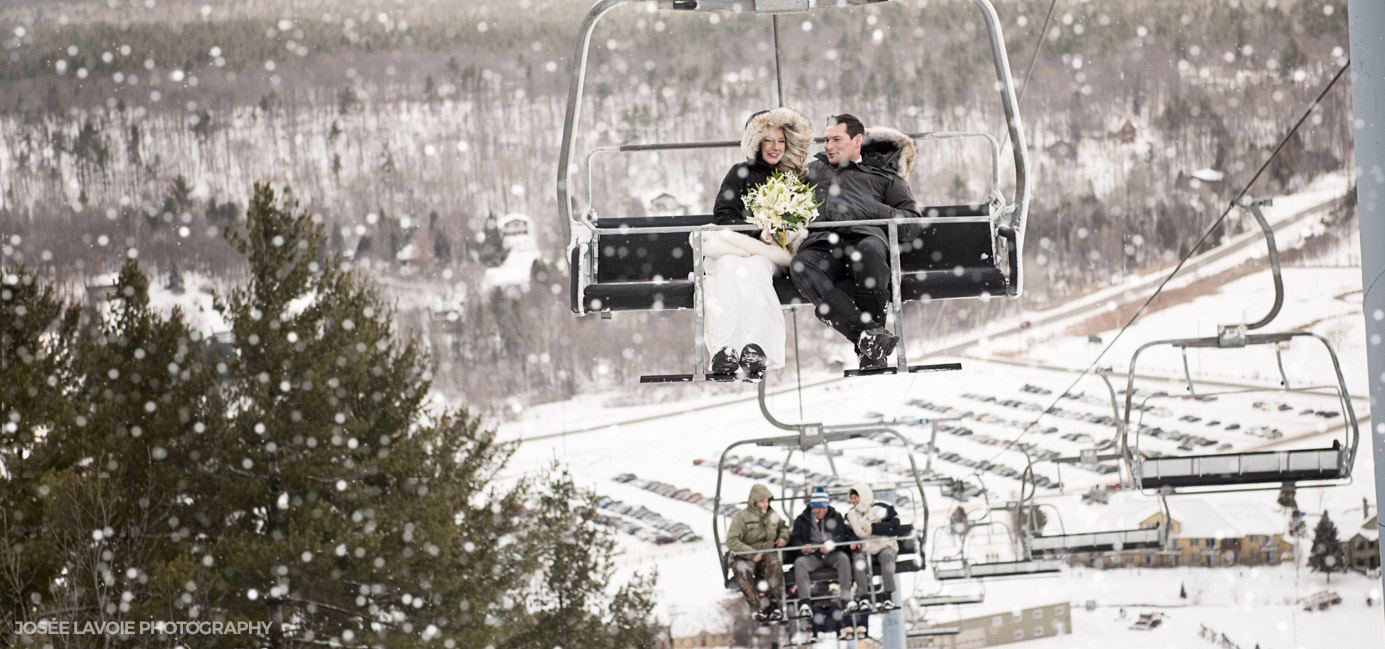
(870, 189)
(833, 525)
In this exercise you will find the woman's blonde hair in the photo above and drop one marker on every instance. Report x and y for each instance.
(798, 137)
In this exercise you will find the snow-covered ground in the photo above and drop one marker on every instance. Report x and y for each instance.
(998, 396)
(1007, 379)
(664, 449)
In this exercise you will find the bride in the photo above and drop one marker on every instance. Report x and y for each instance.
(744, 326)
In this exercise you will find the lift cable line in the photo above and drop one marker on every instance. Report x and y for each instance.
(1029, 73)
(1037, 47)
(1191, 251)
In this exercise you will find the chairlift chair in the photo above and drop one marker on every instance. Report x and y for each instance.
(806, 437)
(648, 262)
(1065, 544)
(1249, 470)
(963, 567)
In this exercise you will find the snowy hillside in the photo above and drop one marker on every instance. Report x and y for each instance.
(1008, 377)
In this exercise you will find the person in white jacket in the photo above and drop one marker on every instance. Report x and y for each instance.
(871, 519)
(744, 326)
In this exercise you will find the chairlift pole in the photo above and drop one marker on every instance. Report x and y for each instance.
(778, 65)
(1368, 63)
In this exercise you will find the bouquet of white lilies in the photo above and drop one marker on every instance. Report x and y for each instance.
(781, 205)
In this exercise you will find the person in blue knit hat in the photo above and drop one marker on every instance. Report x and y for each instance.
(824, 532)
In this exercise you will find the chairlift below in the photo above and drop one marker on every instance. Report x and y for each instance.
(1248, 470)
(812, 436)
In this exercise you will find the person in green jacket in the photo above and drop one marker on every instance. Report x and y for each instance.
(754, 529)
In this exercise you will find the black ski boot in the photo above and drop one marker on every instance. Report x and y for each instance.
(753, 362)
(725, 362)
(868, 364)
(877, 343)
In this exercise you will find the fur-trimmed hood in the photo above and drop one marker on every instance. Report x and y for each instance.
(798, 136)
(888, 149)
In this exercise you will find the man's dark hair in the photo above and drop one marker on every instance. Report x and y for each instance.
(854, 126)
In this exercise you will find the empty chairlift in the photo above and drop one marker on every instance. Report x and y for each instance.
(1249, 470)
(1065, 544)
(986, 548)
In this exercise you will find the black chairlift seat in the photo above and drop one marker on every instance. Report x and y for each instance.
(635, 270)
(908, 560)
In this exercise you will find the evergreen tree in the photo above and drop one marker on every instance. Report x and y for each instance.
(35, 369)
(53, 102)
(202, 124)
(179, 195)
(132, 513)
(387, 160)
(490, 249)
(442, 249)
(1327, 555)
(132, 149)
(346, 100)
(575, 555)
(223, 214)
(1292, 58)
(361, 520)
(90, 147)
(175, 278)
(292, 477)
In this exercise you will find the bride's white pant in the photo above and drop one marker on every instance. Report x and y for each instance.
(741, 307)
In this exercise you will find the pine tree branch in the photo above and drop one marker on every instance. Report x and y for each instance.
(344, 611)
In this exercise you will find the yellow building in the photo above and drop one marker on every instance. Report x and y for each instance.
(1003, 628)
(703, 638)
(1204, 534)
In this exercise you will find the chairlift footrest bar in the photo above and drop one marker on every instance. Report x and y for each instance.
(939, 367)
(912, 369)
(875, 372)
(685, 378)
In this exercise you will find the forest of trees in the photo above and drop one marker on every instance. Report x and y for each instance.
(408, 128)
(291, 474)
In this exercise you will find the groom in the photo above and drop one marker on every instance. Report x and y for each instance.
(853, 189)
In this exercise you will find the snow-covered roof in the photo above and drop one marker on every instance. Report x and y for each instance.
(1227, 520)
(1208, 175)
(1371, 529)
(514, 216)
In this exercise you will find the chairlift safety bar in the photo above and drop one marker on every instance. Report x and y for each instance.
(993, 196)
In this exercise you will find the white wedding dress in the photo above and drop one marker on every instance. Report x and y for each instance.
(741, 306)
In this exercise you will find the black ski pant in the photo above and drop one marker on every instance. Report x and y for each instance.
(865, 259)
